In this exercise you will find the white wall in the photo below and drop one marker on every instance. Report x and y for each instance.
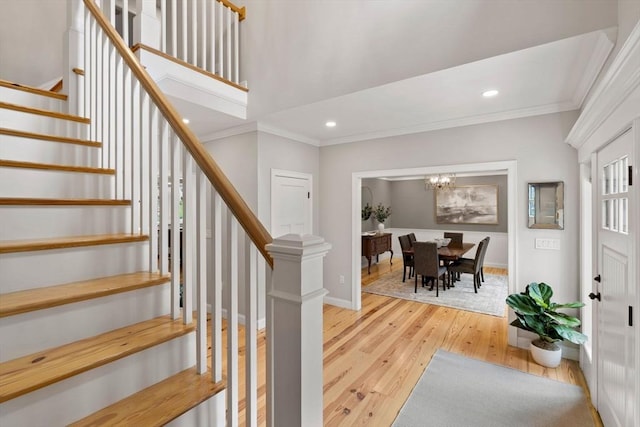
(536, 143)
(31, 35)
(247, 160)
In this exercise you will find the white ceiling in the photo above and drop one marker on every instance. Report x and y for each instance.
(543, 79)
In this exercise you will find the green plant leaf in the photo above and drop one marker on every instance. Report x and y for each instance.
(576, 304)
(523, 304)
(569, 334)
(563, 319)
(541, 293)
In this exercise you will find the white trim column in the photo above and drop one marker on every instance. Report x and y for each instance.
(73, 57)
(294, 331)
(146, 25)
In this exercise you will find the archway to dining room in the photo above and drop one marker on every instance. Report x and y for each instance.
(373, 187)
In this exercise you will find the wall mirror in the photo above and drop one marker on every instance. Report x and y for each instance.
(546, 205)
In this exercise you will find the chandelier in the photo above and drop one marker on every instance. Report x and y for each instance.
(440, 181)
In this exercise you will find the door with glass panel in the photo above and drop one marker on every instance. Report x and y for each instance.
(614, 288)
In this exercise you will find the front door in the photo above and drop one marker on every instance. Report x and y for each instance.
(615, 333)
(290, 203)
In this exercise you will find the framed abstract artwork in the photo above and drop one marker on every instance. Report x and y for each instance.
(473, 204)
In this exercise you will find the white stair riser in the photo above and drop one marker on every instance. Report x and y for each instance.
(28, 99)
(50, 184)
(36, 123)
(50, 152)
(32, 332)
(29, 270)
(210, 413)
(74, 398)
(39, 222)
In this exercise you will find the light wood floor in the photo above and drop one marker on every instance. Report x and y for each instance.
(374, 357)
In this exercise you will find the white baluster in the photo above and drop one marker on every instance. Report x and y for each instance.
(188, 235)
(174, 29)
(216, 309)
(202, 51)
(194, 33)
(160, 180)
(201, 254)
(212, 35)
(229, 50)
(175, 225)
(125, 22)
(251, 334)
(163, 26)
(232, 321)
(220, 14)
(135, 166)
(184, 32)
(236, 48)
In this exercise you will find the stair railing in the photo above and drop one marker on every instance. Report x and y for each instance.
(163, 169)
(155, 155)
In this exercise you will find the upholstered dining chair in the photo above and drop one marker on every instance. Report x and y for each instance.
(426, 263)
(456, 239)
(470, 268)
(471, 260)
(407, 259)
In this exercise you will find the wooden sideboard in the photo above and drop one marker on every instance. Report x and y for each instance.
(375, 245)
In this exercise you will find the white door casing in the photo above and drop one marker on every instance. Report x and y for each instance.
(291, 203)
(617, 392)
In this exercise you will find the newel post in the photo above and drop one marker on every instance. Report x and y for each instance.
(146, 25)
(294, 331)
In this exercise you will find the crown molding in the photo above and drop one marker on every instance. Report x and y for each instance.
(259, 127)
(462, 121)
(620, 80)
(601, 51)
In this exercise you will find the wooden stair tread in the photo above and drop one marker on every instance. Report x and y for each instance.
(175, 396)
(46, 137)
(11, 246)
(34, 90)
(32, 372)
(51, 296)
(12, 201)
(42, 112)
(52, 167)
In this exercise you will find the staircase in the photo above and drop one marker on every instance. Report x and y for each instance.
(85, 330)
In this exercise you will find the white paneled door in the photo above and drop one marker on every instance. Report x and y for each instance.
(616, 289)
(290, 203)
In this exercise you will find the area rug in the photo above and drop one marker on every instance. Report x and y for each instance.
(458, 391)
(490, 298)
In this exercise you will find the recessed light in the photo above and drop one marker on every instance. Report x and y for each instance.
(330, 124)
(490, 93)
(185, 121)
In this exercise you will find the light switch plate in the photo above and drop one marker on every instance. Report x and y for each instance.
(551, 244)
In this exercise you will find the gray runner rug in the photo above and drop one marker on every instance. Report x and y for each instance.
(456, 391)
(490, 298)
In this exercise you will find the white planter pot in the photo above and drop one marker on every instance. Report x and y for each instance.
(546, 357)
(381, 227)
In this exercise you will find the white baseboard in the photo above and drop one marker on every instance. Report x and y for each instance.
(262, 323)
(568, 352)
(338, 302)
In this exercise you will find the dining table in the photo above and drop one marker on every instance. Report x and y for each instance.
(448, 253)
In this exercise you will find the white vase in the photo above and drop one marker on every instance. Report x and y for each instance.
(381, 227)
(549, 357)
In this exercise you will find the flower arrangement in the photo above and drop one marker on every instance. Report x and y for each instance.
(381, 213)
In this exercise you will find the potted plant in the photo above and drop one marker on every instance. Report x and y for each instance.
(381, 213)
(536, 313)
(366, 212)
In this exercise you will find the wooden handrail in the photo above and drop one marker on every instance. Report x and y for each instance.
(241, 11)
(252, 226)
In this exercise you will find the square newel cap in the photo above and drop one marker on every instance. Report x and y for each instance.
(301, 245)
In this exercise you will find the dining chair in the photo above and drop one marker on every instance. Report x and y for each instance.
(456, 239)
(427, 264)
(471, 260)
(407, 259)
(473, 268)
(412, 238)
